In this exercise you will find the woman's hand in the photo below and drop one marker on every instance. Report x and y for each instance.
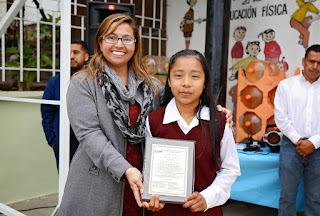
(134, 177)
(195, 202)
(228, 114)
(154, 204)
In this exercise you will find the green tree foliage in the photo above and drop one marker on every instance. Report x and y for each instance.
(30, 53)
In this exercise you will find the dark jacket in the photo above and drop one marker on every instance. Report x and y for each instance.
(50, 118)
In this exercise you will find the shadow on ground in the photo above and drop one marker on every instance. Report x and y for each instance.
(44, 206)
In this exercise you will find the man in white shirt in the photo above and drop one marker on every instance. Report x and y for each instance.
(297, 115)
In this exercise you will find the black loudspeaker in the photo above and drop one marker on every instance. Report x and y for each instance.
(97, 12)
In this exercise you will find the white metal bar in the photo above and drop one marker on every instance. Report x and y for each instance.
(53, 44)
(150, 41)
(131, 1)
(159, 42)
(21, 47)
(64, 81)
(155, 38)
(76, 27)
(38, 46)
(40, 21)
(29, 100)
(160, 28)
(154, 13)
(3, 9)
(12, 12)
(147, 18)
(146, 36)
(82, 28)
(9, 211)
(161, 13)
(75, 7)
(143, 8)
(45, 22)
(28, 69)
(3, 58)
(55, 211)
(79, 4)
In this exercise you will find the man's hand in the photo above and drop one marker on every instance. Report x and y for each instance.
(304, 147)
(195, 202)
(228, 114)
(154, 204)
(134, 177)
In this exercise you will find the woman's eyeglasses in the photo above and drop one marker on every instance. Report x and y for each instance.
(113, 40)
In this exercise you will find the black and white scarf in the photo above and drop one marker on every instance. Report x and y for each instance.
(116, 93)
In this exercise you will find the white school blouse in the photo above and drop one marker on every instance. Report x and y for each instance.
(218, 192)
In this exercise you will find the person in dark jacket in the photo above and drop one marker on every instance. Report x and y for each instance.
(50, 113)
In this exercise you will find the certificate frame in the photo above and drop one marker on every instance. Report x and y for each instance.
(168, 169)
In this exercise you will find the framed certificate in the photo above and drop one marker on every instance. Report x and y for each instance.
(168, 169)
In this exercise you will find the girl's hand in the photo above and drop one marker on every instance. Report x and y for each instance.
(134, 177)
(154, 204)
(228, 114)
(195, 202)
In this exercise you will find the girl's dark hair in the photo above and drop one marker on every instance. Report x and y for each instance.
(206, 99)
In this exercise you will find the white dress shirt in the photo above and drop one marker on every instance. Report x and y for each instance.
(297, 109)
(218, 192)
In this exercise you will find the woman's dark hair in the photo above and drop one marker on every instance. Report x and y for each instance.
(206, 99)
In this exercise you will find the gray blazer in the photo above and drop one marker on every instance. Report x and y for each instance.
(94, 185)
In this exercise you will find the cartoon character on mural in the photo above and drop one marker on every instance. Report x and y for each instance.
(272, 49)
(186, 25)
(301, 23)
(237, 49)
(248, 1)
(283, 65)
(253, 49)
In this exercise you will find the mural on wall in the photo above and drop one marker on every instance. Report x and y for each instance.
(248, 1)
(272, 50)
(186, 25)
(301, 22)
(277, 31)
(252, 49)
(237, 49)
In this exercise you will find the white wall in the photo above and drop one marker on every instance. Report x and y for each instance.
(32, 13)
(176, 10)
(27, 163)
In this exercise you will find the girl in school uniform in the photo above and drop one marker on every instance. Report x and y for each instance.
(189, 112)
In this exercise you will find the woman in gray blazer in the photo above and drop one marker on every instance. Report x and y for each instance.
(107, 105)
